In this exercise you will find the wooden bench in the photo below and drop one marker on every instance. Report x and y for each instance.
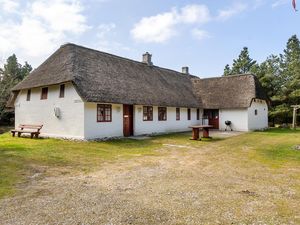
(33, 130)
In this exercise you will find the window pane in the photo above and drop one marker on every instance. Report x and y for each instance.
(103, 113)
(150, 113)
(147, 113)
(189, 114)
(162, 113)
(177, 113)
(44, 94)
(62, 91)
(28, 95)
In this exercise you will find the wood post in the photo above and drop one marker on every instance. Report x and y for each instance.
(295, 108)
(206, 132)
(294, 118)
(195, 134)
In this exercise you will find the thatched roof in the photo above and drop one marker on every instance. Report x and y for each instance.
(236, 91)
(102, 77)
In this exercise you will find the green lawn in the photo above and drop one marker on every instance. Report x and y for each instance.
(20, 158)
(274, 147)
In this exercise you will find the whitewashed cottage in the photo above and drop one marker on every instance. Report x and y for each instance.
(83, 93)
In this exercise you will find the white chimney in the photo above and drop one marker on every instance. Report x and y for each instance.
(185, 70)
(147, 58)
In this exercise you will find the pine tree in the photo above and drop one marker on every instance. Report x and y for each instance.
(291, 71)
(279, 76)
(287, 81)
(227, 70)
(242, 65)
(269, 75)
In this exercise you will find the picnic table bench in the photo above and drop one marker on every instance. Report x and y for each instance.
(195, 131)
(33, 130)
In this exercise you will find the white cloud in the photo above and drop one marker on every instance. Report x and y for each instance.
(40, 28)
(157, 28)
(105, 34)
(200, 34)
(60, 15)
(162, 27)
(34, 38)
(279, 3)
(9, 5)
(105, 29)
(195, 14)
(237, 8)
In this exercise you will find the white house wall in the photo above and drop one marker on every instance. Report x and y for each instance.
(94, 129)
(170, 125)
(37, 111)
(259, 121)
(238, 118)
(245, 119)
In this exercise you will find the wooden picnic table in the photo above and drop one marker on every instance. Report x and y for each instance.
(195, 131)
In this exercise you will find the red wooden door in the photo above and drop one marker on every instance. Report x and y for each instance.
(127, 120)
(213, 117)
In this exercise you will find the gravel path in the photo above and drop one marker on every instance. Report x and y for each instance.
(180, 187)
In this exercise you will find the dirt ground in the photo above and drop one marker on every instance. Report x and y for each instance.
(181, 186)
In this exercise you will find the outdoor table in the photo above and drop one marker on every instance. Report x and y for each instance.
(195, 131)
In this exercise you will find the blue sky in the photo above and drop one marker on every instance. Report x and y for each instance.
(204, 35)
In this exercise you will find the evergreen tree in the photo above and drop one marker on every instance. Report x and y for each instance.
(291, 71)
(243, 64)
(279, 76)
(269, 75)
(11, 74)
(227, 70)
(289, 79)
